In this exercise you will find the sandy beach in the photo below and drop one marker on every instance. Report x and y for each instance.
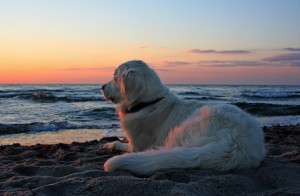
(77, 169)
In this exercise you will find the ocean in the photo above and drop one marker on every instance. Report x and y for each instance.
(31, 114)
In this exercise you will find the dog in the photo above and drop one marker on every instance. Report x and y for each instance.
(164, 131)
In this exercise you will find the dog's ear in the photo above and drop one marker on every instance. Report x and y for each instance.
(131, 87)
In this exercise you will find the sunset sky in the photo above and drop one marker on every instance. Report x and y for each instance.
(185, 41)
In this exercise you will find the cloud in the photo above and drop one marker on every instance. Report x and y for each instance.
(281, 60)
(219, 51)
(284, 57)
(259, 63)
(212, 63)
(228, 63)
(294, 64)
(292, 49)
(289, 59)
(216, 63)
(176, 63)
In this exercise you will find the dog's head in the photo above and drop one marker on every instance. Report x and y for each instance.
(134, 83)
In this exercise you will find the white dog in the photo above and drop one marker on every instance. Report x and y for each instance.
(166, 132)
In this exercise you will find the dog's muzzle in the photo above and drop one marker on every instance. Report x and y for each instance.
(103, 90)
(106, 96)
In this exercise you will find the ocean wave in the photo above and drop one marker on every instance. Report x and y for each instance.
(50, 97)
(7, 129)
(266, 109)
(269, 94)
(199, 96)
(8, 95)
(202, 98)
(33, 127)
(189, 93)
(52, 93)
(100, 114)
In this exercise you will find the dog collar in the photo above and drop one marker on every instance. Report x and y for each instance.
(142, 105)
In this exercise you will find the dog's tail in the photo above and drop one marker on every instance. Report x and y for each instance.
(215, 155)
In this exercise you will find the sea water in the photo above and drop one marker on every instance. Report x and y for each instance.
(31, 114)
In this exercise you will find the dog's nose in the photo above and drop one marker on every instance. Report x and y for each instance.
(103, 87)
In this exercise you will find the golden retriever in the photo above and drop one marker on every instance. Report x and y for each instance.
(165, 131)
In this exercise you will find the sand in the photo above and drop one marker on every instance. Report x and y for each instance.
(76, 169)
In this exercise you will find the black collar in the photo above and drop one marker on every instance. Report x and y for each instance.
(142, 105)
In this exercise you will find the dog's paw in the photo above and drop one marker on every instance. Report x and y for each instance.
(112, 164)
(109, 146)
(116, 145)
(107, 167)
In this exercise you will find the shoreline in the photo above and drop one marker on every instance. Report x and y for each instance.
(68, 136)
(77, 169)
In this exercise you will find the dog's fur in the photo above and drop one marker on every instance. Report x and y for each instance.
(166, 132)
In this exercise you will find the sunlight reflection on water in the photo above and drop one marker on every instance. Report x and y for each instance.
(62, 136)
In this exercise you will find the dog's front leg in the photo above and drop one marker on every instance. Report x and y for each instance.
(116, 145)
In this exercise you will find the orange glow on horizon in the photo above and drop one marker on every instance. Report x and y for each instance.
(48, 62)
(54, 77)
(175, 75)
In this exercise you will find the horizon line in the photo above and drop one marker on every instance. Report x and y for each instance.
(204, 84)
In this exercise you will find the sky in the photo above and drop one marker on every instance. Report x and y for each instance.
(185, 41)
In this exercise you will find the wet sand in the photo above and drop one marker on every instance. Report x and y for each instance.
(77, 169)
